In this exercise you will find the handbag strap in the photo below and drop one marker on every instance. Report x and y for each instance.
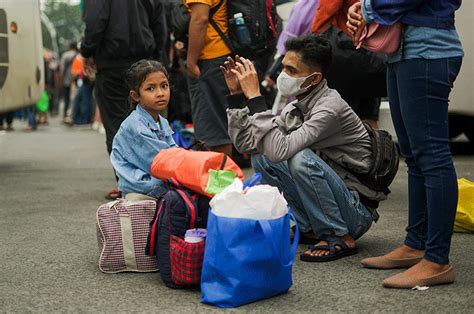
(267, 231)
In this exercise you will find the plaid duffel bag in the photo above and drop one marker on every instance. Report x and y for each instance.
(122, 232)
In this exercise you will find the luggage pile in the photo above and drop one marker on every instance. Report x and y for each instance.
(235, 247)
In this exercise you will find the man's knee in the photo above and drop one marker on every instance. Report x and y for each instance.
(259, 162)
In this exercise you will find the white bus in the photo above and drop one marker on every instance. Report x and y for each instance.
(21, 54)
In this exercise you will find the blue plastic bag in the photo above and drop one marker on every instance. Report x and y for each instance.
(246, 260)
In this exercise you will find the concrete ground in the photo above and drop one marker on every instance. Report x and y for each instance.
(53, 180)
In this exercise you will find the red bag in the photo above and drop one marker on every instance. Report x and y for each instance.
(380, 38)
(191, 168)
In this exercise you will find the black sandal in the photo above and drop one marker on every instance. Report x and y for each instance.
(334, 252)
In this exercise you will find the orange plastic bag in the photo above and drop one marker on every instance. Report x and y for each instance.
(192, 168)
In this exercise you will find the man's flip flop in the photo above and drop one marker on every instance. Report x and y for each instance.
(336, 247)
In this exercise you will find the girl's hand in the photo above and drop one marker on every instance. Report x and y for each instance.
(230, 78)
(355, 21)
(248, 78)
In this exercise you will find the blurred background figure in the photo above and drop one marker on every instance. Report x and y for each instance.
(65, 71)
(6, 118)
(83, 103)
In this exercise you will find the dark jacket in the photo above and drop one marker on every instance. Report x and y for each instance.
(425, 13)
(120, 32)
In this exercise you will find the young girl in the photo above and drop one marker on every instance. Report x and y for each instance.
(144, 133)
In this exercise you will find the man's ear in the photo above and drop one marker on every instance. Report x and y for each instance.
(135, 96)
(317, 78)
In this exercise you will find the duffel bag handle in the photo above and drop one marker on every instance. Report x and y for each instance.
(267, 231)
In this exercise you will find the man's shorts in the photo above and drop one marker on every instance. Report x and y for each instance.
(209, 103)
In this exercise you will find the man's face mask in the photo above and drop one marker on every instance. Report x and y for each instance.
(291, 86)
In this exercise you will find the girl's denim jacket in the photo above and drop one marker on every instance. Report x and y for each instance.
(135, 146)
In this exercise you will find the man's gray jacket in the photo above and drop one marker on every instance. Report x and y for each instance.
(321, 121)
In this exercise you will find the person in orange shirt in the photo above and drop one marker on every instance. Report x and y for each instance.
(207, 87)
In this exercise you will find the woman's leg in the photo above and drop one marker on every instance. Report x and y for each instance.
(423, 90)
(424, 87)
(417, 208)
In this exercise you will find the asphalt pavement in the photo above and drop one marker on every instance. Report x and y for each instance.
(52, 182)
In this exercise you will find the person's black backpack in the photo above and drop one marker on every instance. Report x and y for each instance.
(386, 159)
(262, 22)
(260, 17)
(178, 210)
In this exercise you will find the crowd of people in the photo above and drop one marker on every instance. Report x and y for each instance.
(313, 143)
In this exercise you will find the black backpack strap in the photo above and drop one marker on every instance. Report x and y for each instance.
(189, 202)
(216, 27)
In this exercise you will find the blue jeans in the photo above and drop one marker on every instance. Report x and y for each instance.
(418, 91)
(82, 104)
(317, 196)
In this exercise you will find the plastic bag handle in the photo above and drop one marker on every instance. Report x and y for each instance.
(267, 231)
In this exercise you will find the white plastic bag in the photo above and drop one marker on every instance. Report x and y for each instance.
(257, 202)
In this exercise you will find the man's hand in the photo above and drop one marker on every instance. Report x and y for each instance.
(90, 68)
(248, 78)
(230, 78)
(355, 21)
(193, 70)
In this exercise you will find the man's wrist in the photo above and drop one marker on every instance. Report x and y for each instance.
(254, 95)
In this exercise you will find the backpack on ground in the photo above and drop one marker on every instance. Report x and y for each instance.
(122, 231)
(253, 26)
(386, 160)
(180, 262)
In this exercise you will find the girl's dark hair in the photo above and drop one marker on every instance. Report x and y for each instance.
(138, 72)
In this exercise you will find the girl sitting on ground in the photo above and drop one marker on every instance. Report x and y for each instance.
(145, 132)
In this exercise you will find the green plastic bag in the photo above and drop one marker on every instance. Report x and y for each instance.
(43, 103)
(219, 180)
(465, 212)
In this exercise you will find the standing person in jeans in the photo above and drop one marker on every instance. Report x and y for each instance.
(420, 77)
(118, 33)
(207, 88)
(312, 151)
(65, 69)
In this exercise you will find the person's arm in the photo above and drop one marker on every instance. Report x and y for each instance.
(96, 19)
(387, 12)
(159, 28)
(132, 165)
(324, 14)
(197, 36)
